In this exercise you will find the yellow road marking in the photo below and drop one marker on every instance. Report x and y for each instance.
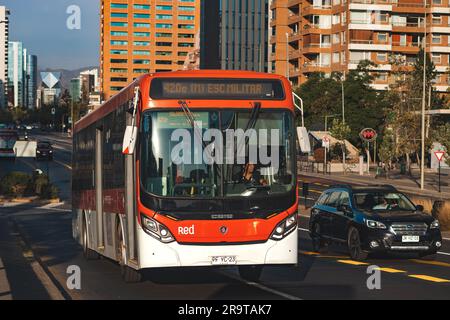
(433, 263)
(315, 191)
(428, 278)
(309, 253)
(63, 164)
(390, 270)
(353, 263)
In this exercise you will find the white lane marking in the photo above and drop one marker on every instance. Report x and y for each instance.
(304, 230)
(447, 239)
(444, 253)
(262, 287)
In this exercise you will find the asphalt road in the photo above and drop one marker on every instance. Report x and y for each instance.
(331, 275)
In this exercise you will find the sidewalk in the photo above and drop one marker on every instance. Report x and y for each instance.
(407, 184)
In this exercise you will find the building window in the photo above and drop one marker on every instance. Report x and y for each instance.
(436, 39)
(382, 56)
(141, 25)
(437, 19)
(119, 5)
(382, 37)
(336, 57)
(119, 24)
(436, 58)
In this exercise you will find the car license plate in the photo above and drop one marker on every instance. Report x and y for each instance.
(223, 260)
(410, 239)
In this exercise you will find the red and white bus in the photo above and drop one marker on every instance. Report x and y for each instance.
(134, 203)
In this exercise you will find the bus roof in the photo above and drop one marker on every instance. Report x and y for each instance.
(144, 81)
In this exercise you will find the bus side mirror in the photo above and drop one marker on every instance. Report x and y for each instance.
(129, 140)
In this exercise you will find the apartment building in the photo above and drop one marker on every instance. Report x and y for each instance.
(144, 36)
(335, 35)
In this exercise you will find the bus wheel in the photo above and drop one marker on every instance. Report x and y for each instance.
(250, 273)
(129, 275)
(88, 253)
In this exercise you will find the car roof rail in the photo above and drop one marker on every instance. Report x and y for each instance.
(346, 186)
(387, 186)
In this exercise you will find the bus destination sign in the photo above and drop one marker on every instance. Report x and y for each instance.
(217, 89)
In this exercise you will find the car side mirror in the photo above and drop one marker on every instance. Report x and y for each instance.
(420, 207)
(345, 209)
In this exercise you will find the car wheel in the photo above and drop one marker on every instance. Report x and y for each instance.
(318, 242)
(354, 245)
(129, 275)
(250, 273)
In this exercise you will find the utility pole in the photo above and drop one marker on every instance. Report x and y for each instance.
(424, 94)
(343, 121)
(287, 56)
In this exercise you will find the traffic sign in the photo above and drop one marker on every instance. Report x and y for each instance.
(368, 135)
(326, 142)
(440, 155)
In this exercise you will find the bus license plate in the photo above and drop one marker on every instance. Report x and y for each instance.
(410, 239)
(223, 260)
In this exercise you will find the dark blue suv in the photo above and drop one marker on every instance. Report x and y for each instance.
(372, 219)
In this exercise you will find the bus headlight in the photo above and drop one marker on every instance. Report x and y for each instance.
(284, 228)
(156, 230)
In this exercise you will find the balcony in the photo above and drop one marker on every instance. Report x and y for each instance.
(294, 18)
(441, 29)
(407, 47)
(409, 7)
(440, 49)
(314, 66)
(315, 47)
(294, 36)
(315, 28)
(370, 25)
(294, 54)
(372, 5)
(368, 45)
(408, 27)
(312, 9)
(353, 65)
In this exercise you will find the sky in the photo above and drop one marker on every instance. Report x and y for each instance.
(42, 27)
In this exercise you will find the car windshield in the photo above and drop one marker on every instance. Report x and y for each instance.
(383, 201)
(182, 160)
(43, 145)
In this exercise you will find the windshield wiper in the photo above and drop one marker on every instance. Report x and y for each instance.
(191, 118)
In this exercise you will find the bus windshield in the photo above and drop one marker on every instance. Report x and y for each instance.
(221, 156)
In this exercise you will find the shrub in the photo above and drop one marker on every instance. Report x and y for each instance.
(49, 192)
(15, 184)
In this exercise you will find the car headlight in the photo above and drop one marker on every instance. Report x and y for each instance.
(375, 224)
(284, 228)
(156, 230)
(434, 225)
(50, 151)
(38, 151)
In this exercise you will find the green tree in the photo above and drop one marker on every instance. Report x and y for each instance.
(341, 131)
(441, 134)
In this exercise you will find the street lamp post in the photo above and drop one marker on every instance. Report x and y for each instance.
(422, 160)
(287, 56)
(326, 119)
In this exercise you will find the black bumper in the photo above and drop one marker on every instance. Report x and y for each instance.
(390, 242)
